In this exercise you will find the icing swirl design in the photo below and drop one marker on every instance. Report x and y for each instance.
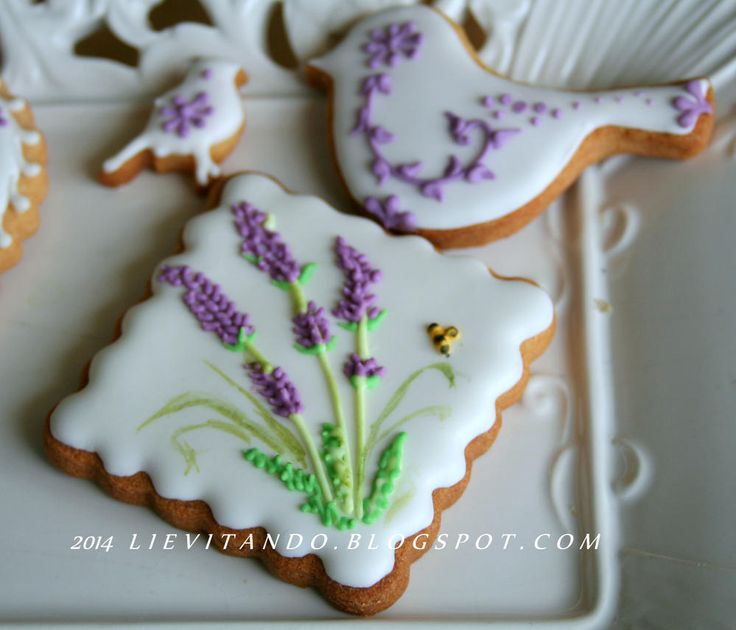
(427, 138)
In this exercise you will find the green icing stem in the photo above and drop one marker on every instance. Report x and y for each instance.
(300, 301)
(347, 503)
(359, 440)
(384, 482)
(300, 306)
(256, 354)
(360, 387)
(313, 455)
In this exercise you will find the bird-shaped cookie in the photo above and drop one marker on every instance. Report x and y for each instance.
(192, 127)
(429, 140)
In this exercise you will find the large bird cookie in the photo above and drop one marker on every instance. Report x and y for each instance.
(297, 371)
(192, 127)
(23, 178)
(429, 140)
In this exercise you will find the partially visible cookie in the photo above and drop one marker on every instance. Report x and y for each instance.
(429, 140)
(23, 179)
(192, 127)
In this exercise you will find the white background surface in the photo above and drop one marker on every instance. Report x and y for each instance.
(672, 292)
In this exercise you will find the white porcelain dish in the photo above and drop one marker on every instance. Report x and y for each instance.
(625, 430)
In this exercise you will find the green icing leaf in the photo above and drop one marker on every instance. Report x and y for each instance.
(443, 368)
(318, 349)
(254, 260)
(384, 481)
(243, 341)
(441, 412)
(374, 323)
(189, 400)
(334, 456)
(291, 443)
(282, 284)
(307, 272)
(351, 326)
(297, 479)
(188, 453)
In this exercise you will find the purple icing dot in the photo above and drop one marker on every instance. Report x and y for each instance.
(648, 101)
(556, 113)
(534, 120)
(207, 73)
(618, 98)
(497, 114)
(519, 107)
(598, 99)
(638, 93)
(505, 99)
(488, 101)
(576, 104)
(540, 108)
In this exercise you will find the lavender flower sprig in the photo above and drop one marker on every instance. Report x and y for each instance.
(217, 313)
(312, 330)
(357, 302)
(359, 313)
(206, 301)
(276, 388)
(266, 249)
(283, 398)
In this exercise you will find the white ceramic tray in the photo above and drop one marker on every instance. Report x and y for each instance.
(642, 247)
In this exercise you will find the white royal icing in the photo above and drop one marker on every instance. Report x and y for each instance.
(441, 77)
(216, 79)
(162, 352)
(13, 165)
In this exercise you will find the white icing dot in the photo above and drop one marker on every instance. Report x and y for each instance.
(16, 104)
(20, 203)
(32, 170)
(31, 137)
(5, 240)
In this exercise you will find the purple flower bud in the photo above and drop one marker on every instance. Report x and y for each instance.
(276, 388)
(206, 301)
(3, 120)
(312, 327)
(269, 251)
(355, 366)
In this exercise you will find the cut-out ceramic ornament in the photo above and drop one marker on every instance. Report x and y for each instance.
(281, 379)
(23, 179)
(429, 140)
(192, 127)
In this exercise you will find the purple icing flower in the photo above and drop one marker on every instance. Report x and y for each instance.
(312, 328)
(180, 116)
(387, 46)
(206, 301)
(276, 388)
(389, 213)
(266, 248)
(3, 120)
(355, 366)
(357, 300)
(692, 105)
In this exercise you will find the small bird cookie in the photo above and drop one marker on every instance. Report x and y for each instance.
(23, 180)
(192, 127)
(429, 140)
